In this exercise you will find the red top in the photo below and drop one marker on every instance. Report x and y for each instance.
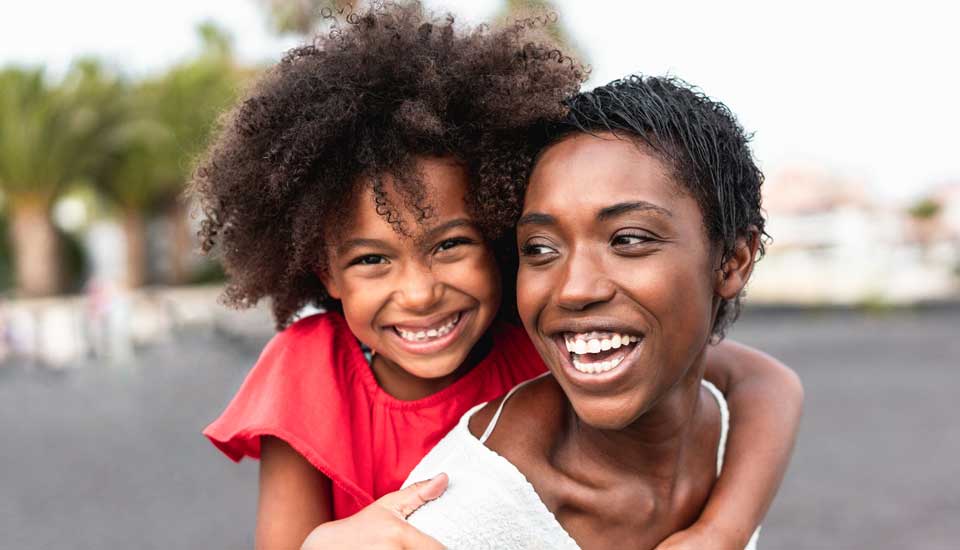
(313, 388)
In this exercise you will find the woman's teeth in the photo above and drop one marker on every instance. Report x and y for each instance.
(426, 334)
(582, 345)
(599, 366)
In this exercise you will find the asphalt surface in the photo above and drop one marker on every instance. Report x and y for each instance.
(99, 457)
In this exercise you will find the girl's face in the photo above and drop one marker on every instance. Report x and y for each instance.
(617, 283)
(420, 302)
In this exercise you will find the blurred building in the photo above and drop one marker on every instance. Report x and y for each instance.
(835, 243)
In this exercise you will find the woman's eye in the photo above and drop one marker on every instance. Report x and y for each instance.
(369, 259)
(630, 239)
(536, 250)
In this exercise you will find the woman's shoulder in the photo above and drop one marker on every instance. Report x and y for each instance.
(527, 415)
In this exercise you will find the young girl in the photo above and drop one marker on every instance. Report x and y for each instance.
(369, 174)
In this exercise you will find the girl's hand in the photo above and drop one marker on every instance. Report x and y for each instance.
(382, 525)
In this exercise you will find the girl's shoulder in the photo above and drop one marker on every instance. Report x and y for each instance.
(302, 389)
(325, 334)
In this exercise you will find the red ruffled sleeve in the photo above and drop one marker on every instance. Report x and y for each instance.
(302, 390)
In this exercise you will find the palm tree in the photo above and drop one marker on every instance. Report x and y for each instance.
(169, 119)
(50, 136)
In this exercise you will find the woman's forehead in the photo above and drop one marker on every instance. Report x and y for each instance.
(598, 170)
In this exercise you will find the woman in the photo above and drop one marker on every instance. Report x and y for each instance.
(640, 228)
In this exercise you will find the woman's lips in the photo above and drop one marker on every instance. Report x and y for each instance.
(421, 339)
(598, 357)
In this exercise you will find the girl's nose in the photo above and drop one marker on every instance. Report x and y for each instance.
(419, 290)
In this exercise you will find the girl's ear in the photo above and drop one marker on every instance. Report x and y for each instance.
(735, 272)
(328, 283)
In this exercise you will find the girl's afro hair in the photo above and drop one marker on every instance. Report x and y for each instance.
(361, 102)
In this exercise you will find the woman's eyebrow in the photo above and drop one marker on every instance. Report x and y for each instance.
(536, 218)
(634, 206)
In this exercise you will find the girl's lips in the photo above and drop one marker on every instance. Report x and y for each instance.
(432, 345)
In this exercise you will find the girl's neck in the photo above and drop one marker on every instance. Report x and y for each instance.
(400, 384)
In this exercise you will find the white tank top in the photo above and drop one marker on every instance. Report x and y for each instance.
(489, 503)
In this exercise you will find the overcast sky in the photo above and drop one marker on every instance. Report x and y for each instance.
(862, 90)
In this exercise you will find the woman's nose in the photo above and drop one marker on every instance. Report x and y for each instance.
(582, 283)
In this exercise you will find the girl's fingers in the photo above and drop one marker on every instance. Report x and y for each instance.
(406, 501)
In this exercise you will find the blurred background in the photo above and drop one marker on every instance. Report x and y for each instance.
(114, 352)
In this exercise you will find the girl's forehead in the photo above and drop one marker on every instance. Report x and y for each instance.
(413, 203)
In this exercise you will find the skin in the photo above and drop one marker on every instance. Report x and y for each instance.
(406, 280)
(627, 457)
(386, 282)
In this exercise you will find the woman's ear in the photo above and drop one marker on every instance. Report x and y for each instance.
(735, 271)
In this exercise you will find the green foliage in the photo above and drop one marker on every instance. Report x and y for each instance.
(51, 135)
(301, 17)
(924, 209)
(168, 122)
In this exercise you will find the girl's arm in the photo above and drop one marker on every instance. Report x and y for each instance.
(295, 509)
(765, 399)
(294, 498)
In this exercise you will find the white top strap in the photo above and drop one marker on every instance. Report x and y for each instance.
(724, 422)
(496, 415)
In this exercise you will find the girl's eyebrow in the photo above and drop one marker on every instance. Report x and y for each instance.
(626, 207)
(346, 246)
(431, 233)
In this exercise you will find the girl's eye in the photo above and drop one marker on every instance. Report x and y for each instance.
(369, 259)
(452, 243)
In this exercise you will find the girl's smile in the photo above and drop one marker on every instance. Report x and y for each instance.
(426, 336)
(421, 301)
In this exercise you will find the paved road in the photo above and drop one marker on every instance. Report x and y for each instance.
(111, 458)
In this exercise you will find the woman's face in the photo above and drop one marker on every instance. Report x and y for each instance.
(421, 301)
(617, 278)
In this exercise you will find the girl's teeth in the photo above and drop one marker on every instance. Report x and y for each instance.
(580, 347)
(421, 335)
(615, 341)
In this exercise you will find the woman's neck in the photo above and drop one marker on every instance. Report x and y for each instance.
(652, 446)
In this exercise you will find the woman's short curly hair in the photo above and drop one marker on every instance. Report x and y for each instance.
(362, 102)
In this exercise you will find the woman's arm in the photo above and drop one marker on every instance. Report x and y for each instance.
(295, 497)
(765, 399)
